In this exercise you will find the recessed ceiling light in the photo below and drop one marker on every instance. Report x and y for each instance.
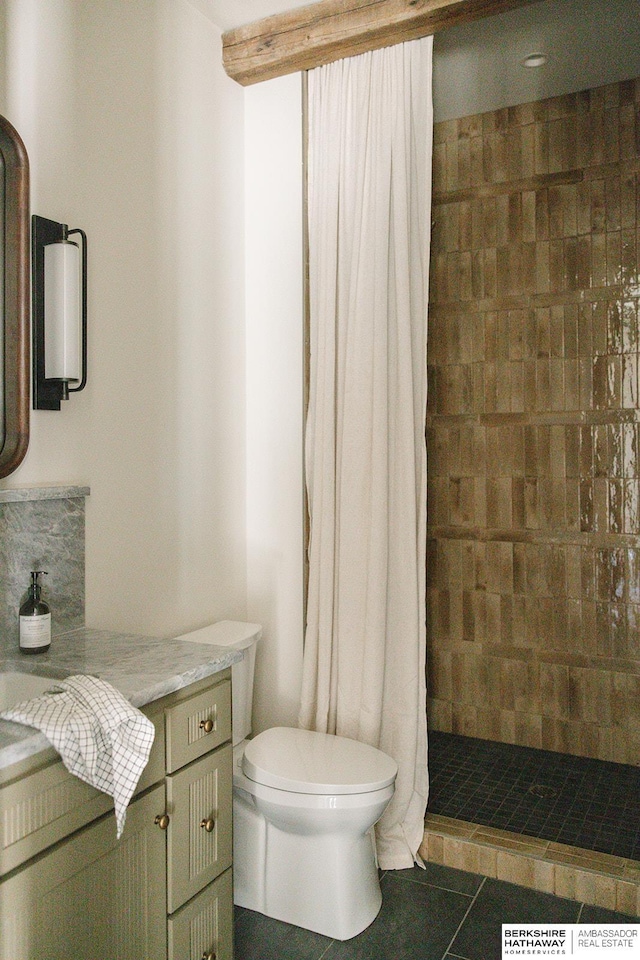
(534, 60)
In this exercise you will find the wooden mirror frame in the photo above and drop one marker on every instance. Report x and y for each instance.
(14, 323)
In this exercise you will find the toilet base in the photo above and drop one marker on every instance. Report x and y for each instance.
(327, 883)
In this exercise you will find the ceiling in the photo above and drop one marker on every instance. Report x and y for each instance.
(478, 66)
(588, 43)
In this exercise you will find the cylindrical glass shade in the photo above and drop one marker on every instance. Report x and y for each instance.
(62, 312)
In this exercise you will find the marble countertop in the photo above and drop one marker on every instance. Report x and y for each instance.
(142, 668)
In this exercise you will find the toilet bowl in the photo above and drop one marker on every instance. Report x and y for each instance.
(304, 807)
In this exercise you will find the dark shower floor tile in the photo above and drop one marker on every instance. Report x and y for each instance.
(587, 803)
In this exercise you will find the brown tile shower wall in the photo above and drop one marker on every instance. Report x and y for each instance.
(533, 425)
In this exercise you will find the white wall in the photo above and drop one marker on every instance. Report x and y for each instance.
(135, 133)
(189, 432)
(274, 323)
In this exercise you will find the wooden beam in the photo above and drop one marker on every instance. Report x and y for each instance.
(332, 29)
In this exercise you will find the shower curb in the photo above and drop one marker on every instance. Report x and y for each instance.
(566, 871)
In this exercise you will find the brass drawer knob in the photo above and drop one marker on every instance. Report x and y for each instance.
(208, 824)
(206, 725)
(162, 821)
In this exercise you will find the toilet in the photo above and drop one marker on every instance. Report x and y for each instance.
(304, 807)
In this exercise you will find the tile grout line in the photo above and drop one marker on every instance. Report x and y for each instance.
(466, 914)
(326, 949)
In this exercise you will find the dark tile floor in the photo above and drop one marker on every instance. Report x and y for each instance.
(429, 914)
(554, 796)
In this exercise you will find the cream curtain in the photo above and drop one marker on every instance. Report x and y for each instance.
(369, 199)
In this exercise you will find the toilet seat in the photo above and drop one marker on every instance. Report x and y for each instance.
(307, 762)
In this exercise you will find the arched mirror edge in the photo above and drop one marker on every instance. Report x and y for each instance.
(15, 325)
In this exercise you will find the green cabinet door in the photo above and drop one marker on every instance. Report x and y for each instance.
(91, 896)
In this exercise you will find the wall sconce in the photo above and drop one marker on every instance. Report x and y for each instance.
(59, 313)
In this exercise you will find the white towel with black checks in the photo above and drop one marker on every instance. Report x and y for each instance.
(101, 738)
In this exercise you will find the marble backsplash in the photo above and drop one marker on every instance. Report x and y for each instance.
(42, 529)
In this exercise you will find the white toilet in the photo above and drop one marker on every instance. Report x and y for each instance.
(304, 806)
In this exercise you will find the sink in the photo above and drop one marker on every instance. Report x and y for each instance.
(16, 686)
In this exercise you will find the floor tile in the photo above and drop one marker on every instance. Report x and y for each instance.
(260, 938)
(424, 914)
(439, 876)
(591, 914)
(498, 902)
(417, 922)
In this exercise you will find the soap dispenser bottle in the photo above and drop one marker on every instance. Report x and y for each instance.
(35, 619)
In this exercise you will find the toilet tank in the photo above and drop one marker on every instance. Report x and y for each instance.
(240, 636)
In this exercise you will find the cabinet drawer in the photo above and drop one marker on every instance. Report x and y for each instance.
(41, 809)
(197, 725)
(49, 804)
(199, 843)
(204, 926)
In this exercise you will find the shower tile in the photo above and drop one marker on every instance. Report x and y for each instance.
(630, 382)
(598, 260)
(464, 165)
(464, 719)
(476, 161)
(600, 506)
(564, 365)
(555, 211)
(614, 257)
(440, 713)
(528, 729)
(572, 504)
(541, 148)
(612, 190)
(529, 872)
(587, 859)
(627, 901)
(556, 267)
(628, 200)
(583, 263)
(628, 259)
(506, 841)
(627, 640)
(554, 690)
(596, 889)
(488, 726)
(631, 494)
(447, 826)
(484, 781)
(471, 857)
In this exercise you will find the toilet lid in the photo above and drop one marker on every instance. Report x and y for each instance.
(303, 761)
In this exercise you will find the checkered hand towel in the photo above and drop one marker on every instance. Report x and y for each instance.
(101, 738)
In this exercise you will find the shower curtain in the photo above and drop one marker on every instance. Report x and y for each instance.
(369, 206)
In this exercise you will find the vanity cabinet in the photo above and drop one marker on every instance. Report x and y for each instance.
(199, 837)
(70, 890)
